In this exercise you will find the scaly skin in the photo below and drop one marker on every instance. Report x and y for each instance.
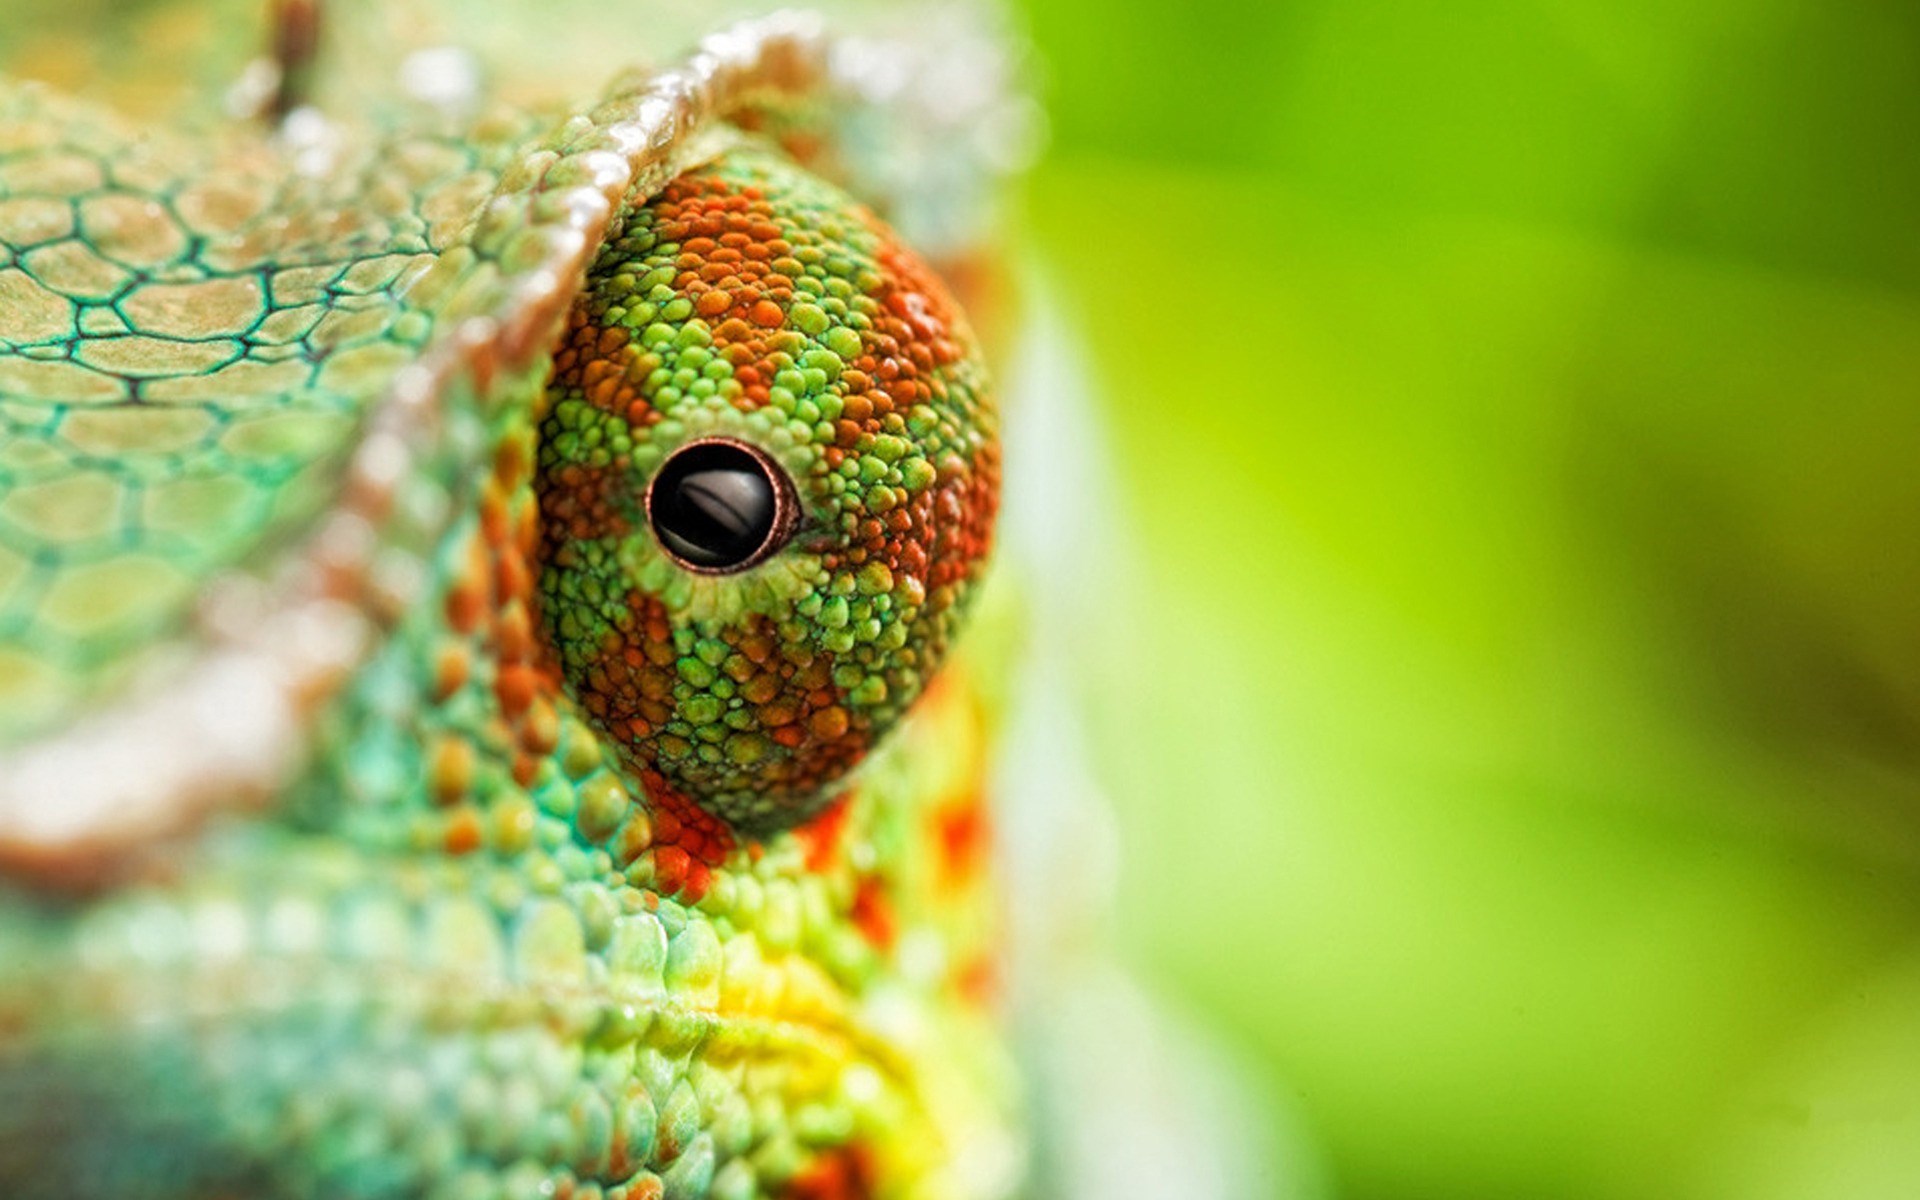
(383, 811)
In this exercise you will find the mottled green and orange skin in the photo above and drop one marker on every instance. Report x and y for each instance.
(510, 931)
(750, 301)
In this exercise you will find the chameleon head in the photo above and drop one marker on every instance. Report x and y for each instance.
(768, 476)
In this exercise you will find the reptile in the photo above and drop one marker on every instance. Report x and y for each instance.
(488, 525)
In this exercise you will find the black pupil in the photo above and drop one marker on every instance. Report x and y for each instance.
(714, 506)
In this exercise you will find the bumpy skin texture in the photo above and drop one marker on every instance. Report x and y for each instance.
(498, 935)
(191, 332)
(751, 302)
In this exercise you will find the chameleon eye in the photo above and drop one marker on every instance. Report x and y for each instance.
(754, 354)
(720, 506)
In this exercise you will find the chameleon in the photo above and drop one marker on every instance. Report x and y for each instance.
(487, 707)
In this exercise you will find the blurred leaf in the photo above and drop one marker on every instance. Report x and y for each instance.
(1518, 731)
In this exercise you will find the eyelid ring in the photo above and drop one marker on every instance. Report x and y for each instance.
(786, 507)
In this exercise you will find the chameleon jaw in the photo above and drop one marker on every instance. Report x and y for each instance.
(301, 1003)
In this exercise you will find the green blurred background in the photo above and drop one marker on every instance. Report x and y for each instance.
(1516, 729)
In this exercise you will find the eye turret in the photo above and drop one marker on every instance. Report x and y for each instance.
(768, 475)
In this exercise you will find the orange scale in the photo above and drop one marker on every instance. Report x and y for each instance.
(463, 834)
(670, 868)
(526, 768)
(913, 559)
(452, 668)
(964, 834)
(598, 371)
(822, 835)
(872, 912)
(699, 878)
(513, 583)
(604, 394)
